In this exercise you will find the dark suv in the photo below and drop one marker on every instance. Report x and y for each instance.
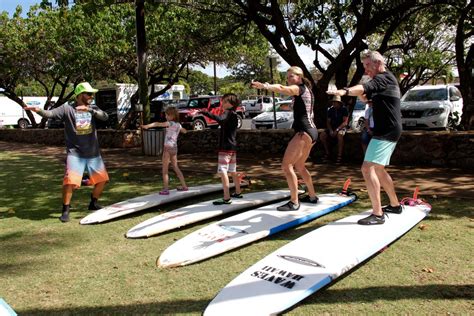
(190, 118)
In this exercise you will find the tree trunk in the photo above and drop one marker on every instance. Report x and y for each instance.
(465, 69)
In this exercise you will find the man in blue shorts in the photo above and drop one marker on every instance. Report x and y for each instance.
(82, 145)
(384, 92)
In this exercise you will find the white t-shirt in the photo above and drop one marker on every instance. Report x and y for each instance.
(171, 136)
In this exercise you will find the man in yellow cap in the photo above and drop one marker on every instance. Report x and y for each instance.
(82, 145)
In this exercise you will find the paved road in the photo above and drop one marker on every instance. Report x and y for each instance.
(246, 123)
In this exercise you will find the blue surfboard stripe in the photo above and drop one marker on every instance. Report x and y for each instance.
(309, 292)
(309, 217)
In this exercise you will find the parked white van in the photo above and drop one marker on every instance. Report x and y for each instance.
(11, 113)
(431, 106)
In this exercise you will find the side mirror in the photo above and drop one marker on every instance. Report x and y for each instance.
(454, 98)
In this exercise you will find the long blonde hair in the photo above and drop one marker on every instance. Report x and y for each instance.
(299, 72)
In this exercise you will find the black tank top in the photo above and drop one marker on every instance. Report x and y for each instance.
(303, 111)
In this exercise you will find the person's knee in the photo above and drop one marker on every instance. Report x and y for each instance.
(286, 167)
(301, 168)
(365, 168)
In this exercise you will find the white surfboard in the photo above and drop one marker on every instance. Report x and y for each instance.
(201, 211)
(245, 228)
(305, 265)
(147, 201)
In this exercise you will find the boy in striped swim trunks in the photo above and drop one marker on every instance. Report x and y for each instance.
(227, 150)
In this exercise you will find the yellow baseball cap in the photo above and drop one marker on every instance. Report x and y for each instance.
(84, 87)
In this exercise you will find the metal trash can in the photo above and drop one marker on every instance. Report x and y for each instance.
(153, 140)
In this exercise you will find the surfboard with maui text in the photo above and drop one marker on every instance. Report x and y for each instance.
(311, 262)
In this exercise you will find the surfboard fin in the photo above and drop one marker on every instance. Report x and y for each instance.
(346, 190)
(413, 201)
(242, 176)
(415, 194)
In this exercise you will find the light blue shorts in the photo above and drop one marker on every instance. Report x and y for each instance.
(379, 151)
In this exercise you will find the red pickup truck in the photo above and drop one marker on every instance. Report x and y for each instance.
(190, 118)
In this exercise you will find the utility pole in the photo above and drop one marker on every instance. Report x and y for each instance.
(272, 60)
(215, 79)
(141, 52)
(142, 107)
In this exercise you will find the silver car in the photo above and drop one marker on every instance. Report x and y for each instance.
(284, 117)
(431, 106)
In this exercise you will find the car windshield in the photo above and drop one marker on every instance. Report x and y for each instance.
(181, 104)
(198, 103)
(359, 106)
(426, 95)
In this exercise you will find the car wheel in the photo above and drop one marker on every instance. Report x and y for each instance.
(239, 121)
(452, 122)
(22, 123)
(199, 125)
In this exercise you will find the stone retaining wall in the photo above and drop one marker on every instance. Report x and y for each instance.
(446, 149)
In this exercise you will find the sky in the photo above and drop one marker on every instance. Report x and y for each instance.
(306, 54)
(10, 5)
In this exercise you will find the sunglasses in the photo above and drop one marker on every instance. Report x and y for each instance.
(89, 94)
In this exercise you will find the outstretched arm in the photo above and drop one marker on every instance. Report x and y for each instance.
(156, 124)
(287, 90)
(357, 90)
(56, 113)
(218, 118)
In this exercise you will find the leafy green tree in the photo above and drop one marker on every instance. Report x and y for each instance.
(199, 82)
(67, 45)
(319, 24)
(422, 54)
(14, 55)
(238, 88)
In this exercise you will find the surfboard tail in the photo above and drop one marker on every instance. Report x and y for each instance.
(415, 200)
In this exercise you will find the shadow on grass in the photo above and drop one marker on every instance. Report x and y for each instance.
(392, 293)
(158, 308)
(26, 249)
(329, 296)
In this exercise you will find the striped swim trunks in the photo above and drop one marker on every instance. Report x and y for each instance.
(227, 161)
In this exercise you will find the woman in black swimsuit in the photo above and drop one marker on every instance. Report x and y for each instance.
(305, 136)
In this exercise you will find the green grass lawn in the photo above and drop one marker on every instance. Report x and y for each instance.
(51, 268)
